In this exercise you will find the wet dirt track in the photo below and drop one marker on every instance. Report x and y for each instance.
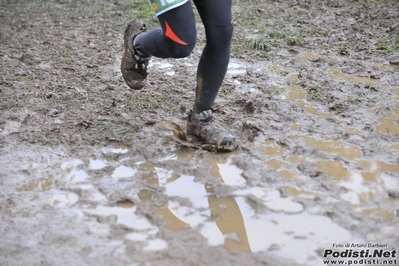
(312, 93)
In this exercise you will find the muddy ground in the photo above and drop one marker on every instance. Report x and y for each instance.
(312, 94)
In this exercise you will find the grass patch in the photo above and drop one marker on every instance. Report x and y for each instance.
(143, 10)
(277, 90)
(318, 95)
(388, 45)
(10, 104)
(259, 43)
(291, 41)
(354, 100)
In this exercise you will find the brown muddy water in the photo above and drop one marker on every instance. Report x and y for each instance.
(87, 179)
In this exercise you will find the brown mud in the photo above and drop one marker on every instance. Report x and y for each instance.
(86, 178)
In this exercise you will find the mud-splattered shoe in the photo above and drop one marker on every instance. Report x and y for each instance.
(203, 126)
(134, 63)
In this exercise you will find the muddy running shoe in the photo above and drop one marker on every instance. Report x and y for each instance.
(203, 126)
(134, 63)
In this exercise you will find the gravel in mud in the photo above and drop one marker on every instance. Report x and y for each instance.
(312, 94)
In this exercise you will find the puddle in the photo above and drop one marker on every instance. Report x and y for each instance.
(389, 124)
(276, 164)
(335, 169)
(293, 77)
(364, 185)
(42, 184)
(270, 147)
(73, 173)
(63, 199)
(353, 131)
(335, 147)
(250, 231)
(97, 164)
(123, 172)
(277, 233)
(295, 92)
(306, 56)
(383, 67)
(296, 192)
(311, 109)
(227, 173)
(114, 150)
(336, 73)
(371, 170)
(236, 69)
(126, 216)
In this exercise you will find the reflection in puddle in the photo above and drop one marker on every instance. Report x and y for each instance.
(126, 216)
(123, 172)
(63, 199)
(297, 240)
(97, 164)
(230, 223)
(236, 226)
(74, 174)
(296, 192)
(231, 213)
(289, 174)
(227, 173)
(355, 181)
(295, 127)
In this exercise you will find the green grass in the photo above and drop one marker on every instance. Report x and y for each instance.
(319, 95)
(277, 90)
(10, 104)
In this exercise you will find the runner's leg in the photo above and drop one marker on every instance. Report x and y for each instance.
(176, 38)
(217, 19)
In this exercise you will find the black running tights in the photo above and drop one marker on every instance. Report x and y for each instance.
(177, 39)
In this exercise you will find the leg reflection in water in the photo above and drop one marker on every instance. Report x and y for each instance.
(225, 212)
